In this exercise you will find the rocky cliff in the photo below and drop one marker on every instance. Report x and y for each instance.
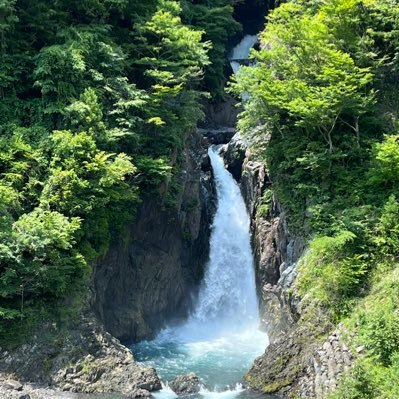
(149, 277)
(80, 357)
(305, 357)
(276, 250)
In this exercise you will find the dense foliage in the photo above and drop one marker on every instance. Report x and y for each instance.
(322, 102)
(96, 100)
(215, 18)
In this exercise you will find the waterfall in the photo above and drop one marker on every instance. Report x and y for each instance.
(241, 51)
(227, 297)
(220, 339)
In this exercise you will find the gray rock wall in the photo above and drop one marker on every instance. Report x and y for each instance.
(325, 367)
(150, 276)
(222, 113)
(276, 250)
(301, 364)
(299, 361)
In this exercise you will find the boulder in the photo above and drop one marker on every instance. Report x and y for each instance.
(147, 380)
(139, 393)
(14, 385)
(186, 384)
(234, 155)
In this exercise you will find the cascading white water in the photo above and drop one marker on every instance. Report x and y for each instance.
(221, 338)
(227, 298)
(241, 51)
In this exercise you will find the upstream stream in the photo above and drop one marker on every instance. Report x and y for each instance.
(221, 338)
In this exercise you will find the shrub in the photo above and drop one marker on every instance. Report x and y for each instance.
(328, 275)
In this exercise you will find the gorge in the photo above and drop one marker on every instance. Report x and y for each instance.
(221, 337)
(182, 216)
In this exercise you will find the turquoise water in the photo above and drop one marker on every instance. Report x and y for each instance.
(221, 338)
(220, 362)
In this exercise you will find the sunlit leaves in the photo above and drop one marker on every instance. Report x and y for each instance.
(80, 175)
(386, 164)
(40, 256)
(96, 98)
(304, 74)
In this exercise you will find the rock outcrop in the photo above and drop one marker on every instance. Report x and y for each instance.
(221, 135)
(151, 274)
(80, 358)
(186, 384)
(220, 113)
(28, 391)
(299, 362)
(234, 155)
(325, 367)
(276, 250)
(301, 365)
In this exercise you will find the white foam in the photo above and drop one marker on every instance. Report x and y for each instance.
(242, 50)
(221, 338)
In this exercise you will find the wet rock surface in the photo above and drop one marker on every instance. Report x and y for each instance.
(186, 384)
(84, 358)
(220, 135)
(151, 274)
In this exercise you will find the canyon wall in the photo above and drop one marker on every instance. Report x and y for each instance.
(276, 250)
(151, 275)
(306, 356)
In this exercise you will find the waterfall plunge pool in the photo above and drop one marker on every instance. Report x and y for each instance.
(221, 338)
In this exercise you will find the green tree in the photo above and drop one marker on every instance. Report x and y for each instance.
(303, 75)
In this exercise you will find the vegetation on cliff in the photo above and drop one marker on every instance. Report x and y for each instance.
(96, 99)
(324, 91)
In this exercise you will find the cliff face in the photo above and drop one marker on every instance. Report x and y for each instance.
(300, 361)
(276, 250)
(150, 276)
